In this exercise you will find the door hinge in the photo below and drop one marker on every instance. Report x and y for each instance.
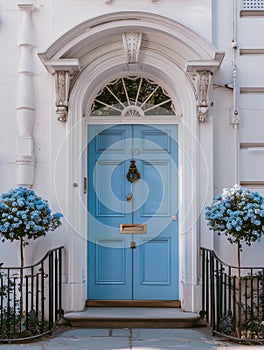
(133, 245)
(85, 185)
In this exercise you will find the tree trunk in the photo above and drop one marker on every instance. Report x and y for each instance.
(239, 290)
(21, 276)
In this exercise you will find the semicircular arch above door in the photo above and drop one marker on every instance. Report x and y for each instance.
(132, 96)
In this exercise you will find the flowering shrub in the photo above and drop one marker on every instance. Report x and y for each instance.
(25, 215)
(238, 213)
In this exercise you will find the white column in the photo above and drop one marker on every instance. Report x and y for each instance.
(25, 160)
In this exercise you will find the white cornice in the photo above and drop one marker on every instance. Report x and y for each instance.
(205, 65)
(133, 21)
(52, 66)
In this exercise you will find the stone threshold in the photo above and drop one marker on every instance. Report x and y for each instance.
(132, 317)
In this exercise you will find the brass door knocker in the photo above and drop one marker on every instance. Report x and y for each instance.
(132, 174)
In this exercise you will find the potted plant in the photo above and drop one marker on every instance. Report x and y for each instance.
(25, 216)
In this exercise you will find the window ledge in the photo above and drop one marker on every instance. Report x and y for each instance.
(252, 13)
(251, 51)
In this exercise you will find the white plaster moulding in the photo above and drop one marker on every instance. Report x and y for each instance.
(87, 57)
(195, 45)
(25, 103)
(26, 35)
(205, 65)
(113, 70)
(71, 65)
(134, 21)
(148, 44)
(132, 45)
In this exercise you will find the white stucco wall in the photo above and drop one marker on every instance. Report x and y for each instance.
(194, 13)
(249, 74)
(210, 19)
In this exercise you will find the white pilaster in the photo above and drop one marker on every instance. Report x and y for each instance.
(25, 106)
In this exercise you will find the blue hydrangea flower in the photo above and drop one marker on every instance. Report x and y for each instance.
(238, 213)
(24, 215)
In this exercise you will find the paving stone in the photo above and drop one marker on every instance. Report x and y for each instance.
(85, 332)
(120, 339)
(92, 343)
(122, 332)
(30, 346)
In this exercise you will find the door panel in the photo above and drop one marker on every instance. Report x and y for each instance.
(109, 197)
(156, 260)
(150, 271)
(110, 269)
(158, 172)
(106, 257)
(109, 255)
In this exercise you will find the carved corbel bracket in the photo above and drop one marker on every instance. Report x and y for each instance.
(62, 87)
(202, 72)
(203, 80)
(64, 71)
(132, 44)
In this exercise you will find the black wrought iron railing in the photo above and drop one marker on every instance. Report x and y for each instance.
(232, 299)
(31, 298)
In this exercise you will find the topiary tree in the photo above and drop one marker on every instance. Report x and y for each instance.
(239, 214)
(25, 216)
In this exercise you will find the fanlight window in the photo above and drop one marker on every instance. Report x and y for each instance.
(132, 97)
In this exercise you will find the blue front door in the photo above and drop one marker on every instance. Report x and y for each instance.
(132, 222)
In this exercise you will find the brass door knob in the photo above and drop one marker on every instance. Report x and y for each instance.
(129, 197)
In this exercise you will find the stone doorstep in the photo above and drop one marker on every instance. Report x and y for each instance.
(124, 317)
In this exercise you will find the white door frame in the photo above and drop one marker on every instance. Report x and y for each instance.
(167, 67)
